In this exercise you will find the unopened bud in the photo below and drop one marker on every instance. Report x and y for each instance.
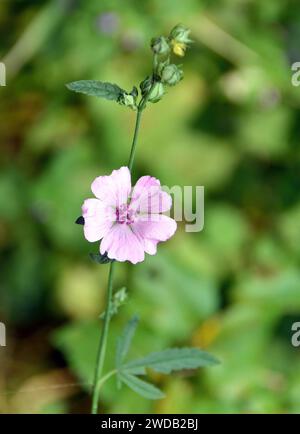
(157, 92)
(171, 75)
(160, 45)
(180, 33)
(145, 85)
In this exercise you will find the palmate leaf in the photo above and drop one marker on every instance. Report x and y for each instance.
(172, 359)
(147, 390)
(97, 88)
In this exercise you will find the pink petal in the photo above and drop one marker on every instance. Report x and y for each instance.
(113, 189)
(150, 246)
(122, 244)
(97, 219)
(156, 227)
(148, 197)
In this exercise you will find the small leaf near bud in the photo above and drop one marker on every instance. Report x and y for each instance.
(171, 75)
(97, 88)
(134, 92)
(160, 46)
(157, 92)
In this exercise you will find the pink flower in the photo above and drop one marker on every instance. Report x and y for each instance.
(127, 221)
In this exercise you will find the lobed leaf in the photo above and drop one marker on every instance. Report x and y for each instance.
(147, 390)
(173, 359)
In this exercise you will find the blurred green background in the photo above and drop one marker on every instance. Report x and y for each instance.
(231, 125)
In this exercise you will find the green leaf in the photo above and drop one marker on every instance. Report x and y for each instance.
(173, 359)
(100, 259)
(125, 339)
(100, 89)
(141, 387)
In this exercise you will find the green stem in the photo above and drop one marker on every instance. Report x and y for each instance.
(106, 377)
(103, 342)
(140, 109)
(98, 381)
(135, 136)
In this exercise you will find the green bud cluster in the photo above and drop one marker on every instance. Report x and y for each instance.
(165, 73)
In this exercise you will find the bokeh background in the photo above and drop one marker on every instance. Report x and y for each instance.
(232, 125)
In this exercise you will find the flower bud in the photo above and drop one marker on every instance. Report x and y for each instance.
(145, 85)
(160, 45)
(128, 100)
(179, 38)
(157, 92)
(180, 34)
(171, 75)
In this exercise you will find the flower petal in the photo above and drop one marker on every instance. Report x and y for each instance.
(150, 246)
(122, 244)
(113, 189)
(155, 226)
(148, 197)
(98, 219)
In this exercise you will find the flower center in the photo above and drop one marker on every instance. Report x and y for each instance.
(124, 214)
